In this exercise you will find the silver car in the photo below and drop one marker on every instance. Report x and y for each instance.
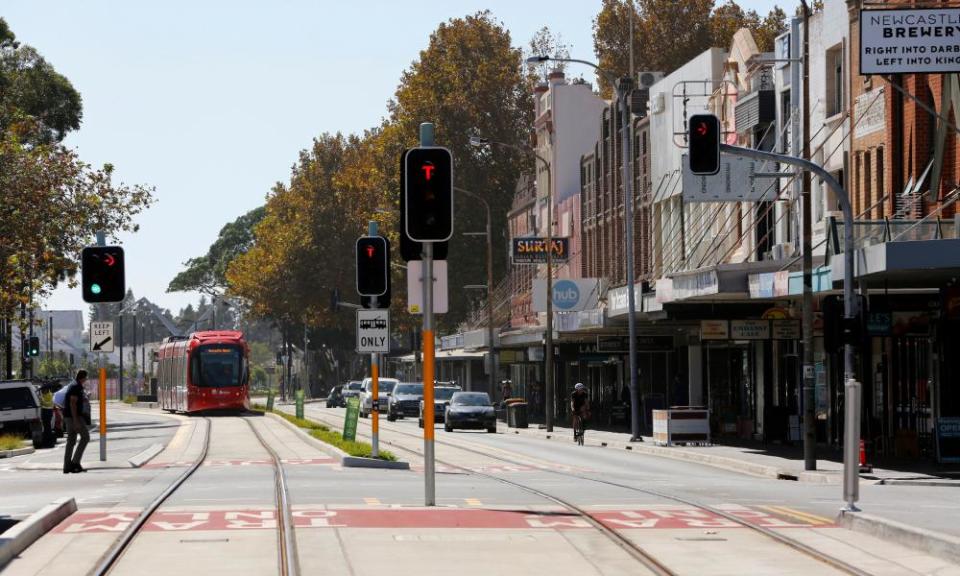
(385, 387)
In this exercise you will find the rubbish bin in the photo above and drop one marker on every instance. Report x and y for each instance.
(517, 415)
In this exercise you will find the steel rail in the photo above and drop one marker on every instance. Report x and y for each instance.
(286, 539)
(780, 538)
(113, 555)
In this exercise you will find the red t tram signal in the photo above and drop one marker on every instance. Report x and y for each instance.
(428, 194)
(373, 265)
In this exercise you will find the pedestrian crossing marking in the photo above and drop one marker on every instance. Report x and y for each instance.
(804, 516)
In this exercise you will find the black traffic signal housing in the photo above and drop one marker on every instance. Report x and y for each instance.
(703, 138)
(383, 301)
(428, 194)
(837, 328)
(373, 266)
(30, 347)
(104, 277)
(410, 250)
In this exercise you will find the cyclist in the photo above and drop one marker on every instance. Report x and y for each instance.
(580, 409)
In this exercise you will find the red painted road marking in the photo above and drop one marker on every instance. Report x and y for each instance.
(419, 518)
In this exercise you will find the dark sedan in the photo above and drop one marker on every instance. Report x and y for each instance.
(405, 400)
(470, 410)
(335, 397)
(441, 397)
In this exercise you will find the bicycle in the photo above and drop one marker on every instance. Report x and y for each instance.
(579, 427)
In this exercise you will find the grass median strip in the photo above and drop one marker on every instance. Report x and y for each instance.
(332, 437)
(11, 442)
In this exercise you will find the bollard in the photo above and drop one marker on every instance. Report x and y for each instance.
(298, 395)
(270, 395)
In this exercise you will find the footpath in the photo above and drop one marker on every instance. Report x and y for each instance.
(922, 506)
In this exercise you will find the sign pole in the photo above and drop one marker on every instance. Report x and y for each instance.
(430, 486)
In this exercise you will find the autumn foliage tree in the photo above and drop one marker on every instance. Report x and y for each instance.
(51, 201)
(468, 81)
(669, 33)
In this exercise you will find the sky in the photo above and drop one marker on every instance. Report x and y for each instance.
(210, 102)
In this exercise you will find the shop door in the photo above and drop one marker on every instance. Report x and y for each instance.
(910, 392)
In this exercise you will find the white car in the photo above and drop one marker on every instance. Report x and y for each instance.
(20, 410)
(385, 387)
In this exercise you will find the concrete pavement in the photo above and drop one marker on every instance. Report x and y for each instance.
(792, 499)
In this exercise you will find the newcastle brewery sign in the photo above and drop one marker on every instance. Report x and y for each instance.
(910, 41)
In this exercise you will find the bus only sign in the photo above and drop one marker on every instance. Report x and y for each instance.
(373, 331)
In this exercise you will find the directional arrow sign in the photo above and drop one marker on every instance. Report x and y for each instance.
(101, 337)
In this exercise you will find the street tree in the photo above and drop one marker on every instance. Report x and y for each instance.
(669, 33)
(207, 273)
(469, 81)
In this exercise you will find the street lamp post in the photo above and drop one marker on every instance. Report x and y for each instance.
(491, 384)
(622, 87)
(548, 340)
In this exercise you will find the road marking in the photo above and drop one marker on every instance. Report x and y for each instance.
(473, 502)
(372, 501)
(803, 516)
(234, 519)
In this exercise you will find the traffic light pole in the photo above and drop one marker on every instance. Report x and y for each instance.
(374, 375)
(851, 437)
(102, 382)
(429, 471)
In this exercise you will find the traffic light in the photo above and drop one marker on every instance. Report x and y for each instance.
(103, 274)
(30, 347)
(704, 141)
(373, 265)
(428, 191)
(410, 250)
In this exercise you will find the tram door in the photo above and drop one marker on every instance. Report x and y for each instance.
(911, 395)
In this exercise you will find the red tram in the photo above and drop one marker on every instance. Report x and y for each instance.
(205, 371)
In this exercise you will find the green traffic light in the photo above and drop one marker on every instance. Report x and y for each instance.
(95, 288)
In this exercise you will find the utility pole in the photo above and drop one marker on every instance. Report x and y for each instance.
(809, 374)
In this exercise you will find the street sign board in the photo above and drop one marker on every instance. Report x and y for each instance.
(910, 41)
(415, 287)
(101, 337)
(533, 250)
(373, 331)
(737, 181)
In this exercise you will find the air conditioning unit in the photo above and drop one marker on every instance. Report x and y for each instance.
(648, 79)
(640, 97)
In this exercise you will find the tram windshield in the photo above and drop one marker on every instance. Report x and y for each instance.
(218, 366)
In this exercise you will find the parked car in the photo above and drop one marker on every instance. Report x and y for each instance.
(20, 410)
(335, 397)
(351, 389)
(405, 400)
(470, 410)
(385, 387)
(441, 397)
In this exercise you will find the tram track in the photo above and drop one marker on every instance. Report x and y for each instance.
(628, 545)
(287, 557)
